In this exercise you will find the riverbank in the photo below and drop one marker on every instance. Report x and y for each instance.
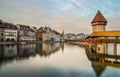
(81, 44)
(31, 42)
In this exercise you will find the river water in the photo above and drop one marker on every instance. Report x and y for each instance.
(50, 60)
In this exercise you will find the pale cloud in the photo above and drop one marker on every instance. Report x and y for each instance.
(71, 15)
(72, 24)
(66, 8)
(26, 14)
(76, 3)
(113, 24)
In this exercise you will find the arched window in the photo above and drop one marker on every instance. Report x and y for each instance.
(2, 34)
(7, 40)
(12, 40)
(2, 40)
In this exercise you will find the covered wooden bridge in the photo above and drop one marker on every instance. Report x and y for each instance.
(104, 37)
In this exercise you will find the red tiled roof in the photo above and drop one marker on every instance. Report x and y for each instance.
(10, 26)
(99, 18)
(41, 30)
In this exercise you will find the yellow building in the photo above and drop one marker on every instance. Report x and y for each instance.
(40, 33)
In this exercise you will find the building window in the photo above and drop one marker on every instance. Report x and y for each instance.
(8, 40)
(2, 34)
(13, 40)
(2, 39)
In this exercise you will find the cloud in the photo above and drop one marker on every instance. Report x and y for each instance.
(66, 8)
(20, 12)
(80, 3)
(72, 15)
(72, 24)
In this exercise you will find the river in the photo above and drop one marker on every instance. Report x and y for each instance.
(50, 60)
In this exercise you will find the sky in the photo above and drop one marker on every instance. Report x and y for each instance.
(72, 16)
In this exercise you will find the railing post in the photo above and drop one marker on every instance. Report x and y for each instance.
(106, 46)
(106, 49)
(115, 47)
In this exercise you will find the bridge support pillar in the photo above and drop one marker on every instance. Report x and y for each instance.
(115, 49)
(106, 49)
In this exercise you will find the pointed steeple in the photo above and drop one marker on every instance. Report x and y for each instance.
(99, 18)
(99, 22)
(63, 32)
(99, 69)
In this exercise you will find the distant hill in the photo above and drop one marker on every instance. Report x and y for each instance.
(75, 36)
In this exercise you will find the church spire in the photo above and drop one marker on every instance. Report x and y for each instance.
(63, 32)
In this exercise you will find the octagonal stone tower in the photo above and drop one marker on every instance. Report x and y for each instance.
(99, 22)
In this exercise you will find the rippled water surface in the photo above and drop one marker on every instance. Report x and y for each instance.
(51, 60)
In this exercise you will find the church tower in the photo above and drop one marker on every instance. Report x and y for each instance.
(99, 22)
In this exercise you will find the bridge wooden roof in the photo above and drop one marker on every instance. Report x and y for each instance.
(106, 34)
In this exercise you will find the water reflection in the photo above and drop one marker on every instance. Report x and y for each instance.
(100, 52)
(99, 69)
(65, 60)
(8, 51)
(100, 56)
(20, 51)
(47, 49)
(26, 50)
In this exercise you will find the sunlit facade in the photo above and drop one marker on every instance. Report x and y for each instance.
(8, 32)
(26, 33)
(46, 34)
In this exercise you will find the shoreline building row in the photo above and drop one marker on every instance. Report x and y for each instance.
(46, 34)
(10, 32)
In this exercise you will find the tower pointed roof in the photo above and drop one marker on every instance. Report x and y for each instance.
(99, 18)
